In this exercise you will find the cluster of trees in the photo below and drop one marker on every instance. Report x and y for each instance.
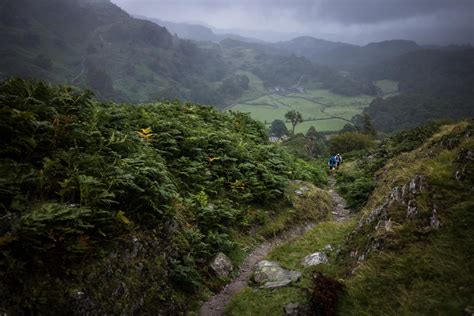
(307, 146)
(359, 135)
(278, 127)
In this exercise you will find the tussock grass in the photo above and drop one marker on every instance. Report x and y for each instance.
(312, 206)
(253, 302)
(431, 277)
(420, 271)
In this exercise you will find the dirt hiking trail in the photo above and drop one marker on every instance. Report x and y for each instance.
(215, 306)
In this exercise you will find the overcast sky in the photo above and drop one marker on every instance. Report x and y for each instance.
(354, 21)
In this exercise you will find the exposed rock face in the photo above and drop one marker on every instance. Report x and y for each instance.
(270, 275)
(412, 211)
(464, 159)
(378, 212)
(434, 221)
(222, 265)
(378, 220)
(417, 184)
(384, 227)
(315, 259)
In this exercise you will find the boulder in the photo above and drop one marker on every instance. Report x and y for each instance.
(315, 259)
(270, 275)
(222, 265)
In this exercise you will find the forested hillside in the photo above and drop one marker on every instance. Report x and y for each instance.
(95, 44)
(345, 56)
(433, 84)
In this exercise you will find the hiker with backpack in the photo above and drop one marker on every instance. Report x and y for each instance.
(332, 163)
(338, 160)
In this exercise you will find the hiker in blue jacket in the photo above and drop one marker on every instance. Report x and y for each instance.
(332, 163)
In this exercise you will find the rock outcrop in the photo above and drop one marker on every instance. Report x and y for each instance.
(271, 275)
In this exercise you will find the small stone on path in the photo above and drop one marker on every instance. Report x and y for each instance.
(315, 259)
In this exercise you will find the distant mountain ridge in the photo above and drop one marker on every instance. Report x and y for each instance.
(336, 54)
(197, 32)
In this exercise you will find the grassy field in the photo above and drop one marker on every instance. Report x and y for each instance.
(389, 87)
(320, 108)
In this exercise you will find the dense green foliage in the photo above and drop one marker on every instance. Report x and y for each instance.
(356, 187)
(357, 181)
(350, 141)
(78, 177)
(308, 147)
(278, 129)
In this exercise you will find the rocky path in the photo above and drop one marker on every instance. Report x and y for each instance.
(215, 305)
(340, 212)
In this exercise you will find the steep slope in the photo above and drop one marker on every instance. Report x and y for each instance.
(120, 209)
(409, 251)
(95, 44)
(412, 250)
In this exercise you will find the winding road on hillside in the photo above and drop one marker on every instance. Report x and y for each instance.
(215, 306)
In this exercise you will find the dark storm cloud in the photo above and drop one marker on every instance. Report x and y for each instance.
(442, 21)
(374, 11)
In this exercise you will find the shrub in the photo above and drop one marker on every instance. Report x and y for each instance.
(347, 142)
(77, 176)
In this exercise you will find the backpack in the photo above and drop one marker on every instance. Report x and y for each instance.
(333, 160)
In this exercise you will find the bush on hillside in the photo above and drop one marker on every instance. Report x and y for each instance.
(350, 141)
(78, 178)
